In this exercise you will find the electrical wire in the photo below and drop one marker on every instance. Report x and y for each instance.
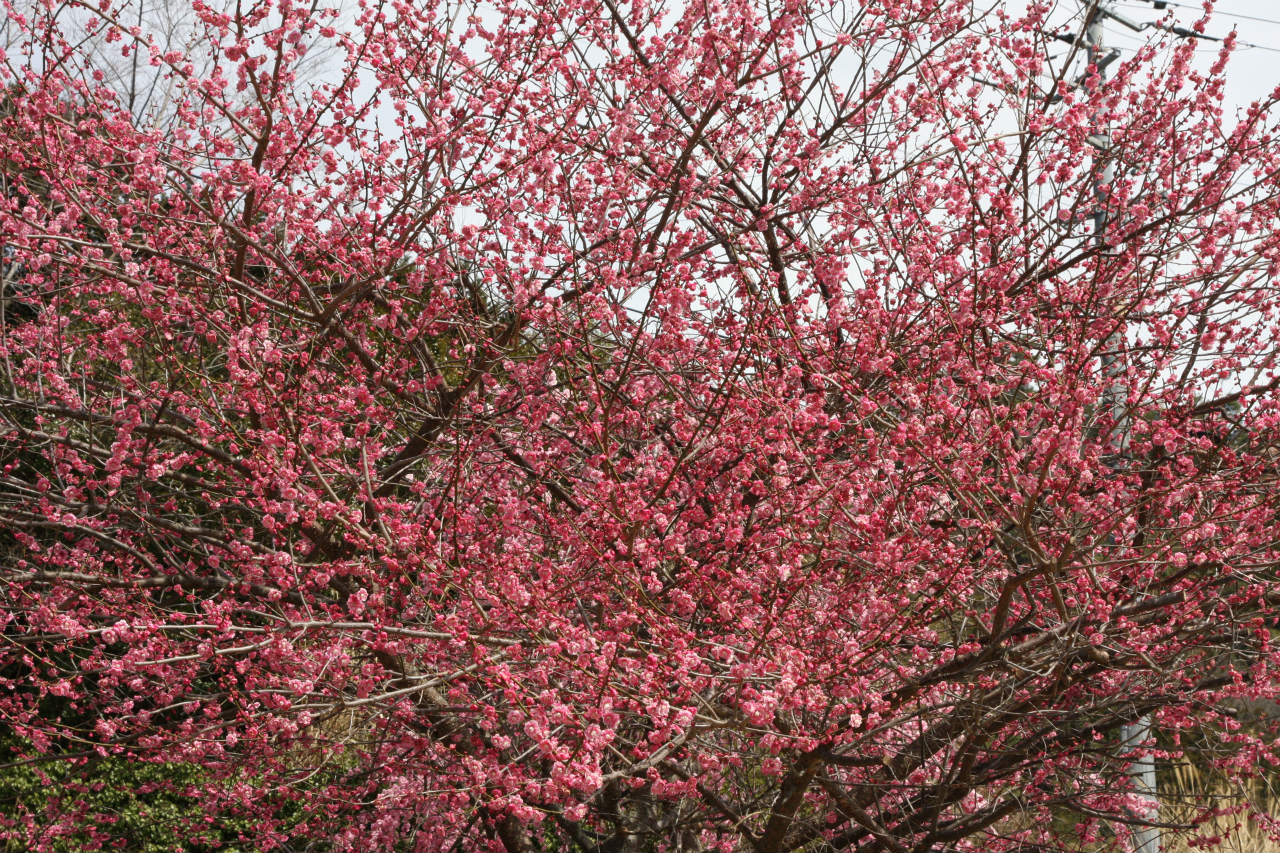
(1216, 12)
(1248, 45)
(1240, 43)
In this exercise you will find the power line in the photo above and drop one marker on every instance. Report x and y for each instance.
(1248, 45)
(1216, 12)
(1243, 46)
(1182, 31)
(1137, 42)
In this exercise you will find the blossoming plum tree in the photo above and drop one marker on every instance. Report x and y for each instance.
(635, 426)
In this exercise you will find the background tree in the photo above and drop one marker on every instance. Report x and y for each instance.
(636, 427)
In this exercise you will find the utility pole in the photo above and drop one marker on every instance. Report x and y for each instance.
(1146, 839)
